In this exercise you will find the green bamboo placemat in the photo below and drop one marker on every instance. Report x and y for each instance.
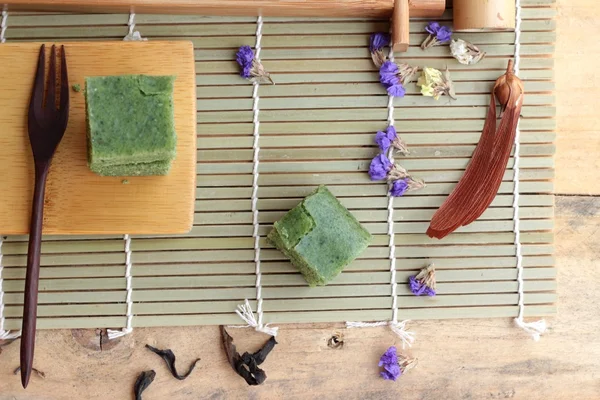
(317, 126)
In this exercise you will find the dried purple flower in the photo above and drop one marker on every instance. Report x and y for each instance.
(444, 34)
(244, 56)
(389, 79)
(396, 90)
(379, 41)
(437, 35)
(399, 187)
(424, 282)
(395, 365)
(384, 139)
(251, 68)
(389, 362)
(376, 44)
(379, 168)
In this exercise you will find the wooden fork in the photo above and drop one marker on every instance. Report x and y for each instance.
(46, 125)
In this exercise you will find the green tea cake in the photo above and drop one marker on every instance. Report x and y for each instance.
(320, 237)
(131, 124)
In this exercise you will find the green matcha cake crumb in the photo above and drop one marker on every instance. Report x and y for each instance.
(320, 237)
(76, 87)
(131, 124)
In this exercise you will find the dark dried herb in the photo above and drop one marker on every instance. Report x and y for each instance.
(142, 382)
(247, 364)
(39, 373)
(169, 358)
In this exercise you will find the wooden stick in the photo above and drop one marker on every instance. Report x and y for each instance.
(400, 25)
(314, 8)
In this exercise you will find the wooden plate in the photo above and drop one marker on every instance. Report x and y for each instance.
(77, 200)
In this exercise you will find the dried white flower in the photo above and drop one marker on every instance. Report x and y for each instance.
(465, 52)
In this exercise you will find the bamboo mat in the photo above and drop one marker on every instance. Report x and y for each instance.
(317, 126)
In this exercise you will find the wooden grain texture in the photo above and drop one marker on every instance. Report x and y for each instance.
(77, 200)
(315, 8)
(578, 122)
(458, 359)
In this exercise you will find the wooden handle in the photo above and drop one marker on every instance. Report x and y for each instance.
(401, 26)
(33, 274)
(280, 8)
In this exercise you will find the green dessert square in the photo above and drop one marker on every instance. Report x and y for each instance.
(320, 237)
(130, 121)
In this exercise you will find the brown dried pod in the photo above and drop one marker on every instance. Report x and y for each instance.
(480, 183)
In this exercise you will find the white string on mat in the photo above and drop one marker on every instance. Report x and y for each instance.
(399, 328)
(536, 328)
(132, 35)
(3, 25)
(244, 310)
(4, 335)
(113, 334)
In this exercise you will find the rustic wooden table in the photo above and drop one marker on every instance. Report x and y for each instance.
(459, 359)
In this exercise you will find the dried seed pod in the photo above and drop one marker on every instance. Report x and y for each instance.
(480, 183)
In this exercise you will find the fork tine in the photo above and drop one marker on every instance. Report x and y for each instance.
(37, 94)
(51, 90)
(64, 81)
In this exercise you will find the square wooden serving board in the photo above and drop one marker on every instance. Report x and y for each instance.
(77, 200)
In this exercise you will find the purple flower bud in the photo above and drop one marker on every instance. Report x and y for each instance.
(418, 288)
(244, 56)
(389, 362)
(432, 28)
(444, 34)
(383, 141)
(399, 187)
(379, 168)
(396, 90)
(378, 41)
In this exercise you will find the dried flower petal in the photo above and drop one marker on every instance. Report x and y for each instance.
(399, 187)
(169, 358)
(435, 84)
(432, 28)
(396, 90)
(142, 382)
(466, 53)
(443, 35)
(389, 362)
(379, 168)
(378, 41)
(424, 282)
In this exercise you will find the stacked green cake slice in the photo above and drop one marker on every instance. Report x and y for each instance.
(131, 124)
(320, 237)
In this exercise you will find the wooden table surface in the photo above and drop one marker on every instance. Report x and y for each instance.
(458, 359)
